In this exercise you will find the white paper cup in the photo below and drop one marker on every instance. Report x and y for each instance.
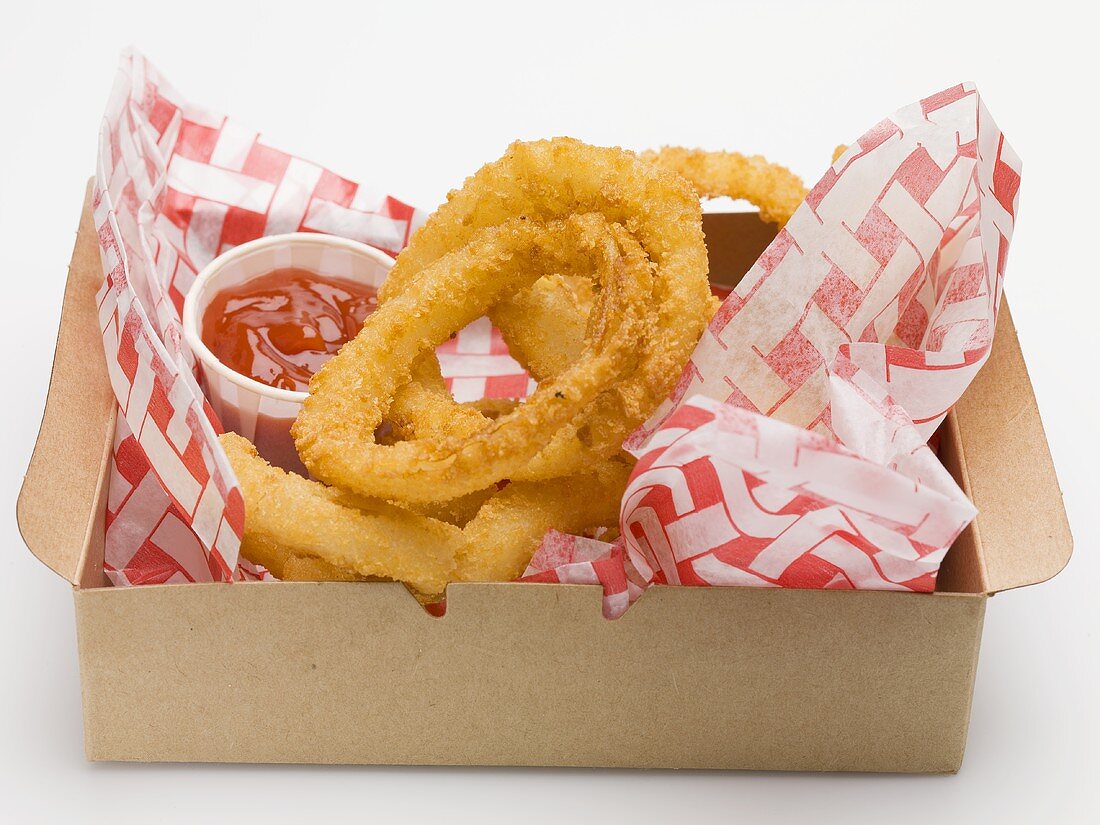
(260, 413)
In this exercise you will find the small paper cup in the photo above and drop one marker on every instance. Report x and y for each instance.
(260, 413)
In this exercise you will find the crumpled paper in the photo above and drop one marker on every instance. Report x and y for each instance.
(793, 450)
(863, 322)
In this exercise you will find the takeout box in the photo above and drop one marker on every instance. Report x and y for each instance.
(532, 674)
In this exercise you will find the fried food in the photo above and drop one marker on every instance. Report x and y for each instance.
(544, 324)
(456, 511)
(305, 518)
(493, 408)
(592, 264)
(775, 190)
(502, 537)
(270, 553)
(351, 394)
(308, 569)
(542, 181)
(303, 531)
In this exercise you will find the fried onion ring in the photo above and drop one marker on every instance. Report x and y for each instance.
(544, 324)
(775, 190)
(302, 530)
(543, 181)
(308, 569)
(593, 265)
(492, 408)
(505, 533)
(287, 515)
(351, 393)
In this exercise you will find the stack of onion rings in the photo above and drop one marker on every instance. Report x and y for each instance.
(592, 264)
(555, 237)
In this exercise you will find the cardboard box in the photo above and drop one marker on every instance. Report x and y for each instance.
(528, 674)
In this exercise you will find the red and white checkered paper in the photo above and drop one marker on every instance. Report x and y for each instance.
(872, 309)
(793, 452)
(722, 496)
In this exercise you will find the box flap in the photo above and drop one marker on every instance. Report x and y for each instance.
(58, 509)
(1022, 533)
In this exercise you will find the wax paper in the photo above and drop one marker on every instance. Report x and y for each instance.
(793, 452)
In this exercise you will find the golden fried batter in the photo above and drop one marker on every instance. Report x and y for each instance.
(775, 190)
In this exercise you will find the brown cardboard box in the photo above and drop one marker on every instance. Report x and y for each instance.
(524, 674)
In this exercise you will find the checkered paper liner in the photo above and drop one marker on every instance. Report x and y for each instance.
(724, 497)
(793, 452)
(788, 453)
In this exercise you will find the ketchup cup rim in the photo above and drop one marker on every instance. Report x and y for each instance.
(206, 280)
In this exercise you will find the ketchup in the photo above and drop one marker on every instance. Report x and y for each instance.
(281, 327)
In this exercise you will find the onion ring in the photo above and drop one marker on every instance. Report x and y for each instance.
(308, 569)
(492, 408)
(502, 537)
(544, 324)
(593, 264)
(287, 515)
(302, 530)
(542, 181)
(351, 393)
(772, 188)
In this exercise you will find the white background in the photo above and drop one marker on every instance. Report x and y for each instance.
(412, 99)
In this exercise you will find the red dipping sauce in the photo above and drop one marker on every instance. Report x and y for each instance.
(281, 327)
